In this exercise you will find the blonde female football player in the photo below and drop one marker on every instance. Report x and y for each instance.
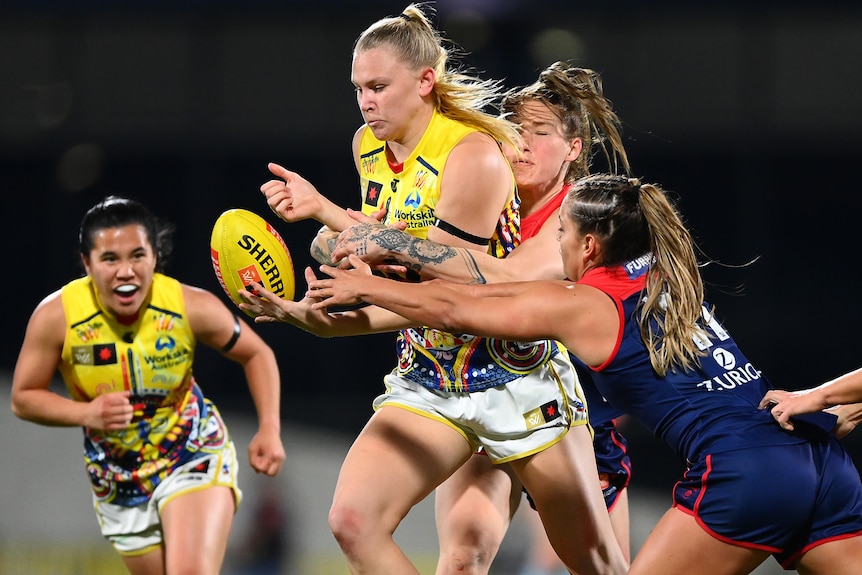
(564, 119)
(430, 157)
(161, 463)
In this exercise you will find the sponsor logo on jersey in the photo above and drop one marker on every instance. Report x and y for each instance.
(165, 342)
(638, 267)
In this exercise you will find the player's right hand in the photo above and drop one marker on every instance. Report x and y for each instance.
(109, 411)
(292, 198)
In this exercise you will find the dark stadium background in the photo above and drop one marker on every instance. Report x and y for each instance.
(751, 112)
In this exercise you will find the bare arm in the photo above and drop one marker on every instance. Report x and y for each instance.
(838, 395)
(581, 317)
(32, 400)
(268, 307)
(537, 258)
(214, 325)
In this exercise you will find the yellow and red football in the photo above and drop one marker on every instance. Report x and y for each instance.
(245, 249)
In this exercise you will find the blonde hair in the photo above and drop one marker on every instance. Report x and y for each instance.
(456, 95)
(576, 97)
(631, 219)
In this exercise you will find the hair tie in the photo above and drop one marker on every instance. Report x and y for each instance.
(406, 17)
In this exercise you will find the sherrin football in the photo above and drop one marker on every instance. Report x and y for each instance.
(245, 249)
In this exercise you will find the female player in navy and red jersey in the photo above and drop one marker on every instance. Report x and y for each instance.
(564, 119)
(635, 317)
(159, 457)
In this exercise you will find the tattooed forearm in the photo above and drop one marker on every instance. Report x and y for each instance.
(476, 275)
(323, 245)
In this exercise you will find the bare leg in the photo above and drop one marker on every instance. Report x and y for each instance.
(621, 524)
(196, 528)
(841, 557)
(396, 461)
(677, 543)
(562, 480)
(152, 563)
(473, 508)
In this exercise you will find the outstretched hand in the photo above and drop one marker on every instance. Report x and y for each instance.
(342, 286)
(268, 307)
(291, 197)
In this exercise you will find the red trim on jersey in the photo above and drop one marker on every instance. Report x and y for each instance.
(530, 225)
(617, 284)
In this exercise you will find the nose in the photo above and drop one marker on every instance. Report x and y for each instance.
(363, 98)
(125, 271)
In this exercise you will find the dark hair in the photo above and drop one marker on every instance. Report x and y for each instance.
(632, 219)
(117, 212)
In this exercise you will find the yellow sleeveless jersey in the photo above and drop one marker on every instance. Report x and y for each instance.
(152, 359)
(436, 359)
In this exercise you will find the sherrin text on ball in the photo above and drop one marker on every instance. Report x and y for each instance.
(245, 249)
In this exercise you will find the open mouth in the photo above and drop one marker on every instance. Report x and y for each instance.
(126, 290)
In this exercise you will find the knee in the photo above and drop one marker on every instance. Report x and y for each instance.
(471, 554)
(350, 527)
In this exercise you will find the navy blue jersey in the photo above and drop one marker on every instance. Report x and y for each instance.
(711, 408)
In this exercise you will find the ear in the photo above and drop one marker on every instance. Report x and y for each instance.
(592, 247)
(427, 79)
(575, 150)
(86, 261)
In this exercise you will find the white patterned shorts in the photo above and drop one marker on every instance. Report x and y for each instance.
(510, 421)
(138, 530)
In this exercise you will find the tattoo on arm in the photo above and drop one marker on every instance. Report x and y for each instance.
(473, 268)
(322, 247)
(425, 253)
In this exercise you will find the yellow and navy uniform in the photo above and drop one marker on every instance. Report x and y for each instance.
(410, 192)
(152, 359)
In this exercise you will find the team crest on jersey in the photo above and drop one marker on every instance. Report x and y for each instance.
(89, 331)
(369, 163)
(98, 354)
(372, 193)
(164, 322)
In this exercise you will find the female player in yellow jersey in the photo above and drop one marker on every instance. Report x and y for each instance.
(431, 158)
(564, 120)
(162, 466)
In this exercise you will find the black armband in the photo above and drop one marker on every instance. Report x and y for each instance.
(233, 339)
(459, 233)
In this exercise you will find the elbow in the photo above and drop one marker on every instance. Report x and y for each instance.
(18, 409)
